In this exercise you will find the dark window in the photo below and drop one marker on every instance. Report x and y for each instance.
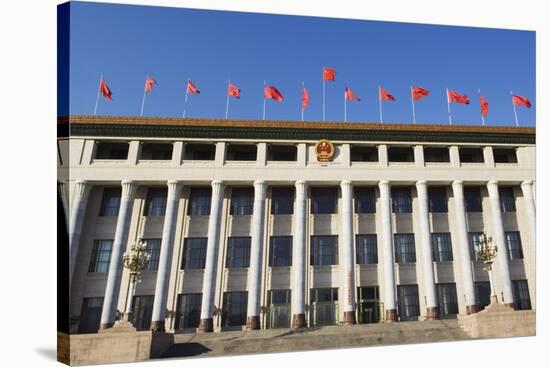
(471, 155)
(234, 308)
(194, 256)
(90, 315)
(505, 155)
(242, 201)
(142, 312)
(513, 245)
(156, 151)
(407, 302)
(188, 311)
(324, 309)
(522, 300)
(280, 251)
(365, 200)
(364, 153)
(281, 153)
(199, 201)
(400, 154)
(279, 297)
(155, 205)
(474, 241)
(441, 247)
(447, 299)
(437, 200)
(282, 200)
(241, 152)
(404, 248)
(324, 250)
(366, 249)
(507, 200)
(483, 294)
(110, 203)
(279, 308)
(111, 150)
(324, 200)
(101, 256)
(324, 294)
(436, 155)
(472, 199)
(199, 152)
(238, 252)
(153, 248)
(401, 200)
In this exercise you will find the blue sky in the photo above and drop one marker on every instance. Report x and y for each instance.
(171, 44)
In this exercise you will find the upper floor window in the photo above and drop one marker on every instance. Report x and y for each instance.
(324, 250)
(472, 199)
(241, 152)
(199, 152)
(471, 155)
(156, 151)
(505, 155)
(281, 153)
(111, 150)
(153, 248)
(442, 249)
(366, 249)
(507, 200)
(401, 200)
(400, 154)
(238, 252)
(362, 153)
(513, 245)
(194, 253)
(404, 248)
(474, 240)
(282, 200)
(280, 251)
(155, 205)
(110, 203)
(437, 199)
(199, 201)
(101, 256)
(324, 200)
(365, 200)
(436, 155)
(242, 201)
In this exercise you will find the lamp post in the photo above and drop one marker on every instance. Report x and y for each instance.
(135, 261)
(487, 253)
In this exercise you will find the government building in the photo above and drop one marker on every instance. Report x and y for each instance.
(285, 224)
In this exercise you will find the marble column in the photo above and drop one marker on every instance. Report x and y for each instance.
(165, 257)
(347, 263)
(529, 200)
(81, 192)
(210, 268)
(256, 247)
(299, 264)
(387, 252)
(427, 259)
(120, 242)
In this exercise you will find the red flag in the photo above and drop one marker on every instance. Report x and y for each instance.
(349, 95)
(520, 101)
(418, 93)
(457, 97)
(305, 98)
(385, 95)
(484, 105)
(191, 88)
(149, 82)
(105, 91)
(329, 74)
(271, 92)
(233, 91)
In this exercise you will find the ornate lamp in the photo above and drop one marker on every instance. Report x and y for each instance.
(135, 261)
(487, 253)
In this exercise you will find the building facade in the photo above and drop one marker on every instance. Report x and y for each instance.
(266, 224)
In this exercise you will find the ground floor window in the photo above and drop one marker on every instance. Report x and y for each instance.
(368, 305)
(188, 310)
(522, 301)
(234, 308)
(90, 316)
(407, 302)
(278, 314)
(483, 294)
(324, 306)
(142, 312)
(446, 299)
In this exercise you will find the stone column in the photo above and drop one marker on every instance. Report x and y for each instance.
(464, 248)
(427, 259)
(387, 252)
(209, 280)
(527, 189)
(81, 192)
(165, 257)
(499, 242)
(346, 263)
(120, 242)
(299, 264)
(255, 268)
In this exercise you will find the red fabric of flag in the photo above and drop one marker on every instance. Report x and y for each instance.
(191, 88)
(520, 101)
(484, 106)
(270, 92)
(349, 95)
(329, 74)
(233, 91)
(418, 93)
(305, 98)
(385, 95)
(105, 91)
(149, 82)
(457, 97)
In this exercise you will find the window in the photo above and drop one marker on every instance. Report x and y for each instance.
(361, 153)
(199, 201)
(324, 310)
(153, 248)
(407, 302)
(282, 200)
(365, 200)
(238, 252)
(279, 308)
(507, 201)
(279, 297)
(280, 251)
(474, 241)
(505, 155)
(188, 310)
(234, 308)
(242, 201)
(513, 245)
(323, 200)
(241, 152)
(404, 248)
(142, 312)
(90, 315)
(324, 294)
(194, 255)
(437, 200)
(522, 300)
(472, 199)
(155, 205)
(156, 151)
(101, 256)
(110, 203)
(199, 152)
(111, 150)
(441, 247)
(281, 153)
(401, 200)
(366, 249)
(471, 155)
(436, 155)
(324, 250)
(483, 294)
(368, 305)
(447, 299)
(400, 154)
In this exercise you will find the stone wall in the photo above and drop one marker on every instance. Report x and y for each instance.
(499, 321)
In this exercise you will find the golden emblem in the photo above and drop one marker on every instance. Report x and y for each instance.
(324, 150)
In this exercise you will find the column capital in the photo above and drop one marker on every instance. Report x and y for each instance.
(301, 187)
(458, 183)
(260, 189)
(492, 183)
(81, 189)
(527, 183)
(421, 183)
(383, 183)
(346, 183)
(174, 187)
(128, 188)
(217, 186)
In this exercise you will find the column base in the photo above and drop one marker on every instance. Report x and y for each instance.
(158, 326)
(253, 323)
(206, 326)
(511, 305)
(432, 313)
(299, 321)
(106, 326)
(471, 309)
(391, 315)
(349, 318)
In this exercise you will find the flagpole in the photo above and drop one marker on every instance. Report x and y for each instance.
(513, 105)
(302, 103)
(143, 99)
(380, 104)
(449, 107)
(227, 100)
(345, 108)
(186, 95)
(482, 118)
(264, 100)
(412, 103)
(97, 98)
